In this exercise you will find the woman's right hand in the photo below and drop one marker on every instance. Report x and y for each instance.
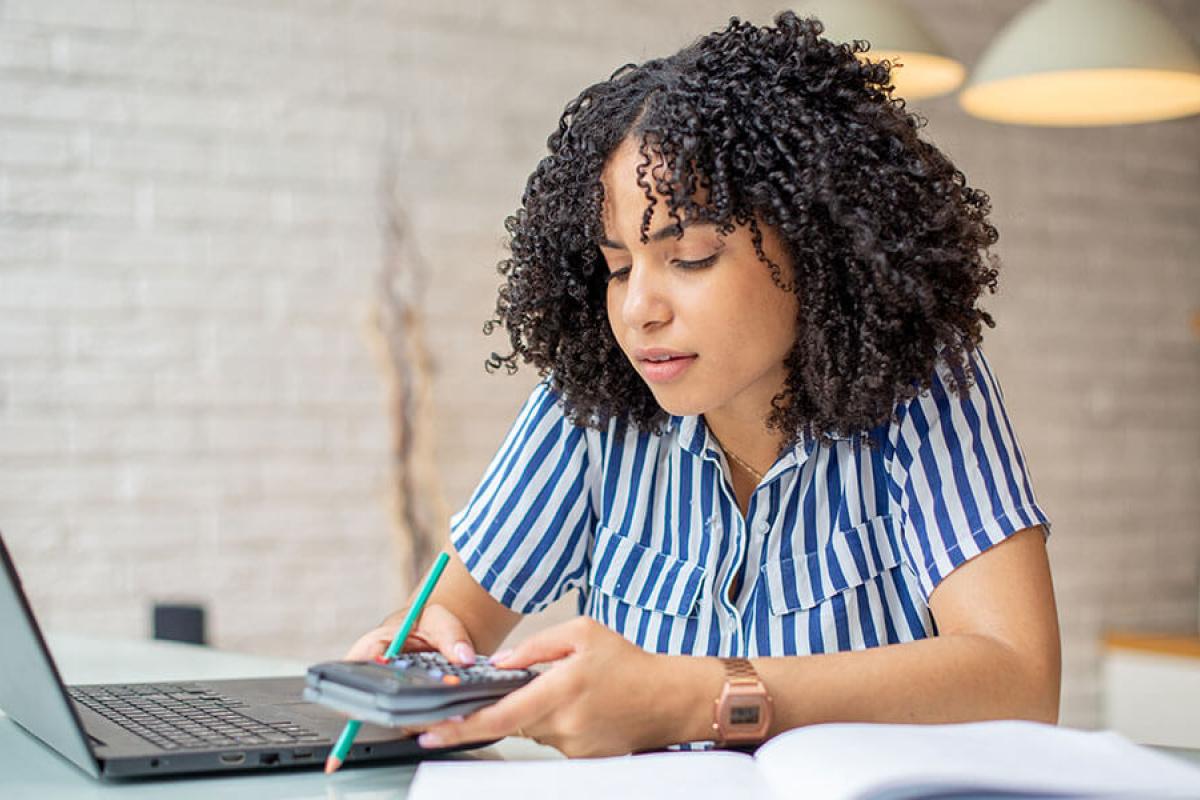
(436, 629)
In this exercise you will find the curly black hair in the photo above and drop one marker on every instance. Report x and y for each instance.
(770, 126)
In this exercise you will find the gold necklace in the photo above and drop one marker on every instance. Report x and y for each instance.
(758, 476)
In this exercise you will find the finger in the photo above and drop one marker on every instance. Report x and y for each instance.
(447, 634)
(551, 644)
(523, 708)
(367, 647)
(416, 643)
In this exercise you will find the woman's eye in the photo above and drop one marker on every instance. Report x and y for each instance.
(701, 264)
(617, 275)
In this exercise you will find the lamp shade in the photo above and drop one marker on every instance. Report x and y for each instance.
(896, 35)
(1085, 62)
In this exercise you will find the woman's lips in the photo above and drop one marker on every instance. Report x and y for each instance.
(666, 371)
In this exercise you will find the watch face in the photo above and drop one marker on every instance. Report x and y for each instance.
(744, 715)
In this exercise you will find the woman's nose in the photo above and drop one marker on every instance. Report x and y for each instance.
(645, 303)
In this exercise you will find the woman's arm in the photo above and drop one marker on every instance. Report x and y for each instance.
(996, 656)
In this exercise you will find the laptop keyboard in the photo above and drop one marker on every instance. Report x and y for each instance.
(173, 717)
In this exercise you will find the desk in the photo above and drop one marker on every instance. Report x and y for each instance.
(1152, 688)
(29, 769)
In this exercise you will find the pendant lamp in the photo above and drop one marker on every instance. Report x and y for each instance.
(1085, 62)
(895, 34)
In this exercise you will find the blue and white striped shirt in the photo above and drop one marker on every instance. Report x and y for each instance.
(840, 549)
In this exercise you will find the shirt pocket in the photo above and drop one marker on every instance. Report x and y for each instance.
(851, 558)
(644, 577)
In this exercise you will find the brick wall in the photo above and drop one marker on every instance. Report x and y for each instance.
(189, 208)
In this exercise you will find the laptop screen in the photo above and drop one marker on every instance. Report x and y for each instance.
(31, 691)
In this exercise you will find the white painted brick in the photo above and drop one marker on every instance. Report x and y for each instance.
(212, 204)
(235, 24)
(262, 435)
(155, 155)
(36, 148)
(83, 196)
(296, 252)
(157, 435)
(23, 51)
(26, 340)
(43, 99)
(129, 341)
(32, 387)
(176, 388)
(226, 294)
(19, 244)
(283, 162)
(46, 291)
(282, 478)
(110, 15)
(223, 339)
(33, 436)
(132, 250)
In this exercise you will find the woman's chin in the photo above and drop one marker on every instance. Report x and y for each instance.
(677, 404)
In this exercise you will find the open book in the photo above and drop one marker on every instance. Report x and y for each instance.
(849, 761)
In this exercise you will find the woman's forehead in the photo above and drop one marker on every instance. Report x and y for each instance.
(626, 200)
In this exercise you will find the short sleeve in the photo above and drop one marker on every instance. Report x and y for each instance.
(525, 531)
(958, 474)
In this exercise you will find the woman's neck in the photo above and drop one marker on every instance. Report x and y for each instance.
(749, 440)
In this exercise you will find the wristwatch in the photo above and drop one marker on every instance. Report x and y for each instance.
(742, 712)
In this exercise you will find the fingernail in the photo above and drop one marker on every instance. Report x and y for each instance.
(456, 718)
(501, 656)
(464, 653)
(429, 739)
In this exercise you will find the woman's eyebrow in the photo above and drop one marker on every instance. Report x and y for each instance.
(674, 229)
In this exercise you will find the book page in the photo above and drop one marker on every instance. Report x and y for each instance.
(868, 761)
(662, 776)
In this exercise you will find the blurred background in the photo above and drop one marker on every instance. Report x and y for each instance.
(247, 249)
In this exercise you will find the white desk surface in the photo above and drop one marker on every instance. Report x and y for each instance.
(29, 769)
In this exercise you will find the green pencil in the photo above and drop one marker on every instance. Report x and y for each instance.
(342, 748)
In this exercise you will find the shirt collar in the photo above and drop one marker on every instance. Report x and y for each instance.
(693, 436)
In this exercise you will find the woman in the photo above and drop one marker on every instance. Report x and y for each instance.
(765, 429)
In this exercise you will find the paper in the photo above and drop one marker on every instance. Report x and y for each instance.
(662, 776)
(848, 761)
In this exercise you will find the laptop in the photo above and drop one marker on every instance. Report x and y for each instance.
(146, 729)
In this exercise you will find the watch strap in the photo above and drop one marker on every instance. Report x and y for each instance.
(740, 670)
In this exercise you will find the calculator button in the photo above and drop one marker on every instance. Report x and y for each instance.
(452, 680)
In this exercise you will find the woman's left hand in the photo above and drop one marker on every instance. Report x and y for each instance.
(602, 695)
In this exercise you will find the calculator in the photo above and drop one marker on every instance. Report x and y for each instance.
(410, 689)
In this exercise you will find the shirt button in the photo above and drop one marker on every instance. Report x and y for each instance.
(761, 527)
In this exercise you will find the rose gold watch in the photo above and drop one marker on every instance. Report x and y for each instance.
(742, 713)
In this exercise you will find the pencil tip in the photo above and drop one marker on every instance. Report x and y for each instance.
(331, 765)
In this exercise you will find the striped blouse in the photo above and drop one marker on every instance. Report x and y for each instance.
(840, 549)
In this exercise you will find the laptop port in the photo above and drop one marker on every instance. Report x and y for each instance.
(268, 759)
(300, 755)
(232, 758)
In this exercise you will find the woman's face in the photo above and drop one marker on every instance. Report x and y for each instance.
(705, 302)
